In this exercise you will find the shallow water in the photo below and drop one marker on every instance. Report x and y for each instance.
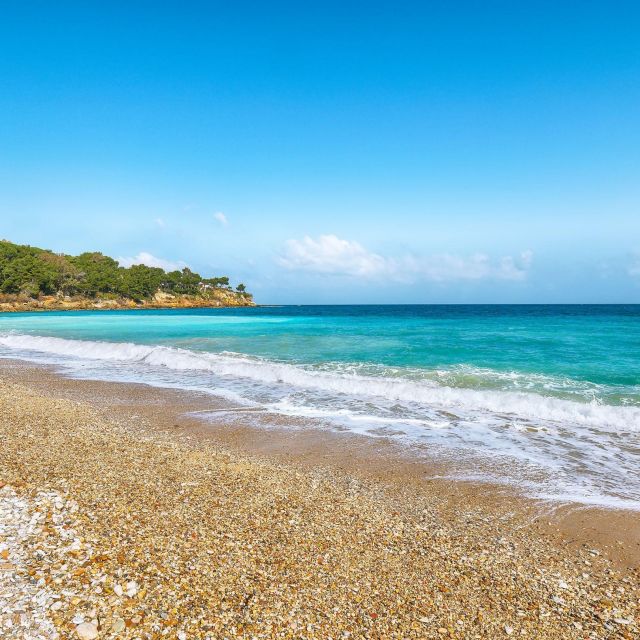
(547, 396)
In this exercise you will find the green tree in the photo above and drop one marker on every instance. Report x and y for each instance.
(28, 270)
(217, 282)
(97, 273)
(65, 275)
(140, 282)
(171, 281)
(33, 271)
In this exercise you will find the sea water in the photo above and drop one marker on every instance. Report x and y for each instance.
(545, 397)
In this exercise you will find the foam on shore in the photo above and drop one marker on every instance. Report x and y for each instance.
(583, 451)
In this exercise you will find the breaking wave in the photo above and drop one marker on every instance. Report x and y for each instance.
(382, 382)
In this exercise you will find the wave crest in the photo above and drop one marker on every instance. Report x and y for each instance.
(523, 405)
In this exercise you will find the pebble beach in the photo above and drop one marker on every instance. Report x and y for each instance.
(111, 527)
(319, 321)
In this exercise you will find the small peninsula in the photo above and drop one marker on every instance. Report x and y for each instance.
(34, 279)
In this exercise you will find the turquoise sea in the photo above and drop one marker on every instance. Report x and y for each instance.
(545, 397)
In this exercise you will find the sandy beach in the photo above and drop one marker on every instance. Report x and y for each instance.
(319, 321)
(122, 518)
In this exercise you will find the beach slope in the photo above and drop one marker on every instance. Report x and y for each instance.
(113, 528)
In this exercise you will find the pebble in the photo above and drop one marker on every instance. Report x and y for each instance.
(21, 528)
(253, 549)
(87, 631)
(118, 625)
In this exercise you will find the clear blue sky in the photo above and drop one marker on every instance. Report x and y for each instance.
(358, 152)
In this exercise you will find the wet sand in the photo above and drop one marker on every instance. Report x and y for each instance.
(315, 533)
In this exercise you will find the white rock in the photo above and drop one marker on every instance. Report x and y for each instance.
(118, 590)
(132, 588)
(622, 620)
(118, 625)
(87, 631)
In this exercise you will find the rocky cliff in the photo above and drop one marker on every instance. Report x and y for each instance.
(161, 300)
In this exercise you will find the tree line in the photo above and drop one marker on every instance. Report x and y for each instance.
(33, 272)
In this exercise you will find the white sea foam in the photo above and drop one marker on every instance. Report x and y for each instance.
(521, 433)
(523, 405)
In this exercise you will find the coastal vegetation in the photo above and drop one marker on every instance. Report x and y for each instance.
(35, 277)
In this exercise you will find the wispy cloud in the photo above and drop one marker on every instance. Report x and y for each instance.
(160, 223)
(478, 266)
(329, 254)
(221, 218)
(152, 261)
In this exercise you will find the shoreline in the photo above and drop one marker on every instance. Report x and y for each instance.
(222, 300)
(614, 531)
(164, 499)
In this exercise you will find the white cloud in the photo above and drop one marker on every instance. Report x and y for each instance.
(160, 222)
(221, 218)
(152, 261)
(329, 254)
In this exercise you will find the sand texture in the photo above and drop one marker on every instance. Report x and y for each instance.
(110, 528)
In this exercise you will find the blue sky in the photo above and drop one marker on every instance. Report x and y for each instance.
(358, 152)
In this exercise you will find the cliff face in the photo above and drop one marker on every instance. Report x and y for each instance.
(161, 300)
